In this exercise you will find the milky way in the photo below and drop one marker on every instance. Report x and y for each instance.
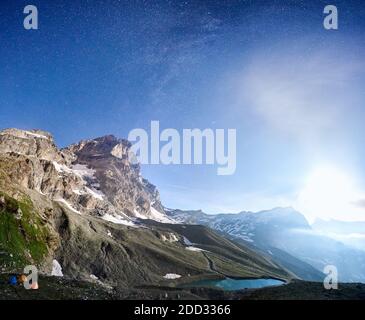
(99, 67)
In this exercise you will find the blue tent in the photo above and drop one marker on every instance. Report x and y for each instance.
(13, 280)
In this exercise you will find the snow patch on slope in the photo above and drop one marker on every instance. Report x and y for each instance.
(194, 249)
(138, 215)
(61, 168)
(95, 193)
(68, 205)
(187, 241)
(36, 135)
(118, 220)
(172, 276)
(159, 216)
(87, 176)
(56, 269)
(171, 237)
(83, 171)
(154, 215)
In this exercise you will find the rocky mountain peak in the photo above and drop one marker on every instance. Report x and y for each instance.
(92, 177)
(108, 157)
(27, 134)
(31, 143)
(102, 147)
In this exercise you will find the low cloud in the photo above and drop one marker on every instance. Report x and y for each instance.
(299, 93)
(359, 203)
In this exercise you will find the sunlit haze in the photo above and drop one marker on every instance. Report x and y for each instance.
(329, 193)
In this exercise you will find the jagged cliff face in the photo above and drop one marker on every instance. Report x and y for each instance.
(114, 176)
(92, 177)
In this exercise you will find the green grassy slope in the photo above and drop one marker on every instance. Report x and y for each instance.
(23, 235)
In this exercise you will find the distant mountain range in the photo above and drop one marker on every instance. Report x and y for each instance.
(285, 234)
(349, 233)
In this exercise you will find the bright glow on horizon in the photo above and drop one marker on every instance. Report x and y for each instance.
(329, 193)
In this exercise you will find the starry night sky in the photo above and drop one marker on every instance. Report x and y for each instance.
(293, 90)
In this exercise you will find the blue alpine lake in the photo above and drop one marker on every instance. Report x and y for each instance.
(236, 284)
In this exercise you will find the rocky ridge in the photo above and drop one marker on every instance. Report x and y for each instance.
(92, 177)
